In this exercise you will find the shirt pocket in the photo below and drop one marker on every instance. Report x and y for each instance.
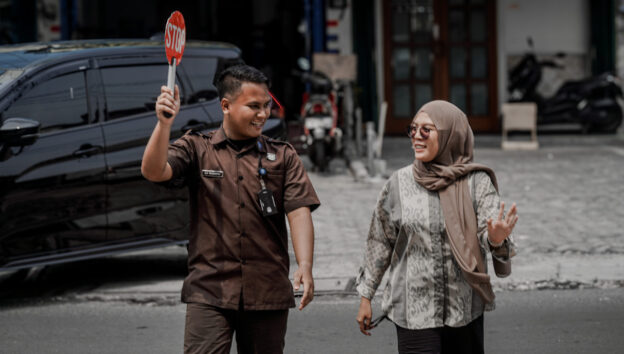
(211, 180)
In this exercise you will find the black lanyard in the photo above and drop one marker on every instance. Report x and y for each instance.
(265, 196)
(261, 170)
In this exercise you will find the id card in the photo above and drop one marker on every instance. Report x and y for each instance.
(267, 202)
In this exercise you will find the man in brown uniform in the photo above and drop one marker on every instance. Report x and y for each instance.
(241, 185)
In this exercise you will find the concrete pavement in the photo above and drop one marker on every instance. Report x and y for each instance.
(568, 194)
(569, 234)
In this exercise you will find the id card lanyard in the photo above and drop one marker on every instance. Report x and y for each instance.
(265, 196)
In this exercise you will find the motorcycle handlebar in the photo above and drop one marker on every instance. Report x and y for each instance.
(315, 78)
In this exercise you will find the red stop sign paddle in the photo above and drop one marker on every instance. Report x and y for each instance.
(175, 40)
(175, 37)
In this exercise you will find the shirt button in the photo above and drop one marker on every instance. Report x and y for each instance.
(238, 156)
(242, 205)
(240, 178)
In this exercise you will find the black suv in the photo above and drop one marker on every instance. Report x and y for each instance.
(74, 120)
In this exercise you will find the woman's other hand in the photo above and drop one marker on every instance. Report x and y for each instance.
(365, 314)
(500, 229)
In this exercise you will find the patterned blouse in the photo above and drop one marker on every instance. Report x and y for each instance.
(425, 287)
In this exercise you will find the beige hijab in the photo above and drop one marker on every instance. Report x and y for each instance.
(445, 174)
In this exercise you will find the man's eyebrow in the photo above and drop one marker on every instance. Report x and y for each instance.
(260, 103)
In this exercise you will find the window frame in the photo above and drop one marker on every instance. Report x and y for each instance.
(126, 61)
(47, 73)
(189, 83)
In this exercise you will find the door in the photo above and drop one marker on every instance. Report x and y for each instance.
(52, 196)
(440, 50)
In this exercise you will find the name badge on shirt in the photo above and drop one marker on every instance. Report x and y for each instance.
(212, 173)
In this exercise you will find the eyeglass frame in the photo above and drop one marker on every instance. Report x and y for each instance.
(410, 130)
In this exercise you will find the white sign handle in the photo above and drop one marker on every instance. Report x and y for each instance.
(171, 76)
(171, 81)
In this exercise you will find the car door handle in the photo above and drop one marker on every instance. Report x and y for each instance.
(87, 150)
(195, 125)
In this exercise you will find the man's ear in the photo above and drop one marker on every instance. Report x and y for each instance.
(225, 105)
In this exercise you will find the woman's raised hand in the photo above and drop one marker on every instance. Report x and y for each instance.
(500, 229)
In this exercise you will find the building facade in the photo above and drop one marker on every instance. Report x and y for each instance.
(408, 51)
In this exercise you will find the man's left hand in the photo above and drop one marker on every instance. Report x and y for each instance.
(303, 275)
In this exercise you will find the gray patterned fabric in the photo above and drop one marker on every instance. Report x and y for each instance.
(425, 287)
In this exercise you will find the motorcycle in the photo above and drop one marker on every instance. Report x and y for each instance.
(322, 136)
(595, 102)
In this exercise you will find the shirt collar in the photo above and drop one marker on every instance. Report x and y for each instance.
(219, 138)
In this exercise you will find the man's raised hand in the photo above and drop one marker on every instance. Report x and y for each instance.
(167, 103)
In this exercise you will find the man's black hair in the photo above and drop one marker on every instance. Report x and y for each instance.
(231, 79)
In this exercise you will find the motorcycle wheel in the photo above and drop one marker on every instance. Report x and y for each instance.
(615, 116)
(320, 156)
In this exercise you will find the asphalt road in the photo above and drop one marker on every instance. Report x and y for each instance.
(549, 321)
(571, 239)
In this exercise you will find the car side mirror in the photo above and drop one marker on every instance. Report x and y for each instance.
(19, 131)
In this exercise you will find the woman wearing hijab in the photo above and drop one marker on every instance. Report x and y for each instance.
(432, 226)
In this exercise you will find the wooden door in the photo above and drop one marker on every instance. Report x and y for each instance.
(440, 49)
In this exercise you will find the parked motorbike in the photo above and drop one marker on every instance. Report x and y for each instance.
(594, 102)
(322, 136)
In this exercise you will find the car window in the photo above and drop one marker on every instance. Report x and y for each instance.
(200, 72)
(132, 89)
(57, 103)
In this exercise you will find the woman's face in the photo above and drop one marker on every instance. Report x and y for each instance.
(424, 137)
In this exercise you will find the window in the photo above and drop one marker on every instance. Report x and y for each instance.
(200, 72)
(57, 103)
(132, 89)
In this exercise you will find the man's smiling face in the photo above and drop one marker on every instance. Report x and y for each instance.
(246, 113)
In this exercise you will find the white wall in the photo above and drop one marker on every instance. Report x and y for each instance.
(554, 25)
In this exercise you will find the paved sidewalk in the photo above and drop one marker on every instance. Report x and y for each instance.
(568, 194)
(569, 234)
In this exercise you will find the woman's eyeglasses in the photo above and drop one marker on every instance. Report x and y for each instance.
(424, 131)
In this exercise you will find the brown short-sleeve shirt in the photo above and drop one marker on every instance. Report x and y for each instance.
(234, 251)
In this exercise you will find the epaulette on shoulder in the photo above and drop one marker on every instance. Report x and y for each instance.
(279, 142)
(198, 133)
(275, 141)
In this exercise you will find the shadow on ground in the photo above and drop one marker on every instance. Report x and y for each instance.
(43, 284)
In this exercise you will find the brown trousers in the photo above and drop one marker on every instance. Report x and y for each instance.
(209, 329)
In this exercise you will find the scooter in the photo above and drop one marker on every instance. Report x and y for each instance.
(322, 136)
(595, 102)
